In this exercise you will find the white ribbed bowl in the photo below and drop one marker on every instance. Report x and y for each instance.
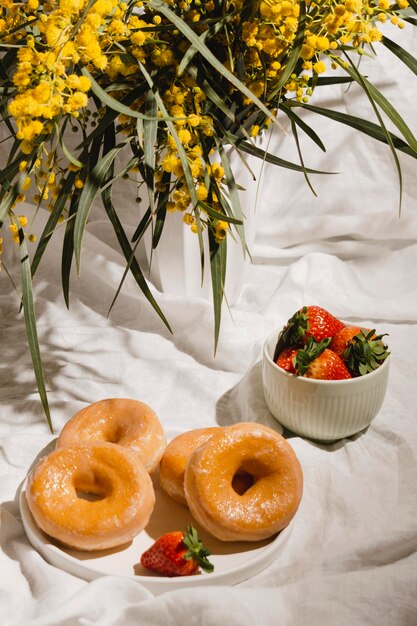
(323, 410)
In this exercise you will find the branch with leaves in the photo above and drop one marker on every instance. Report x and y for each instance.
(166, 86)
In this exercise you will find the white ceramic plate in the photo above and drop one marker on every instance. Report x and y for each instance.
(233, 561)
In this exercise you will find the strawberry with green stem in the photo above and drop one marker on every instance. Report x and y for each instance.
(309, 321)
(316, 361)
(177, 554)
(364, 352)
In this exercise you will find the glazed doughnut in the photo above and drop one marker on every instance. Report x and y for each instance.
(274, 483)
(91, 497)
(129, 423)
(175, 457)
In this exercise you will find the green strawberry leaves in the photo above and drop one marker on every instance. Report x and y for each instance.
(365, 353)
(196, 550)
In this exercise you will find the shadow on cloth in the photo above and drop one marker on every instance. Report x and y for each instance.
(245, 402)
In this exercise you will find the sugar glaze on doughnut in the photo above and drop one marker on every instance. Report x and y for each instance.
(274, 483)
(91, 497)
(127, 422)
(175, 458)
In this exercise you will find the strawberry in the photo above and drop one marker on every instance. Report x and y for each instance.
(286, 359)
(177, 554)
(317, 361)
(309, 321)
(364, 352)
(344, 337)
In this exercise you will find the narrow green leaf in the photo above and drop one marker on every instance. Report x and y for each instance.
(161, 209)
(110, 116)
(402, 54)
(9, 172)
(53, 220)
(143, 225)
(30, 323)
(301, 123)
(250, 148)
(88, 194)
(376, 96)
(413, 5)
(237, 218)
(220, 216)
(111, 102)
(358, 123)
(129, 255)
(218, 257)
(297, 143)
(68, 249)
(71, 158)
(150, 131)
(6, 205)
(323, 81)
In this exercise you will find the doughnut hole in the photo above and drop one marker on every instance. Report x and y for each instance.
(242, 481)
(92, 486)
(116, 433)
(248, 473)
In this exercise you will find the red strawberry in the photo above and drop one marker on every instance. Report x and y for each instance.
(317, 361)
(364, 351)
(344, 337)
(286, 359)
(311, 321)
(177, 554)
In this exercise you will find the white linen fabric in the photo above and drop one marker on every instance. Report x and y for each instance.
(350, 555)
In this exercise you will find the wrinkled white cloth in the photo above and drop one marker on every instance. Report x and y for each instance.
(350, 555)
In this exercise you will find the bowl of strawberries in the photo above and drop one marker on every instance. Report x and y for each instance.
(324, 379)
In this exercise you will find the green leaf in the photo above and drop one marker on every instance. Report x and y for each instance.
(375, 96)
(68, 249)
(358, 123)
(143, 225)
(237, 218)
(220, 216)
(111, 102)
(9, 172)
(71, 158)
(30, 323)
(250, 148)
(129, 254)
(402, 54)
(218, 256)
(52, 221)
(297, 143)
(150, 132)
(161, 209)
(323, 81)
(6, 205)
(301, 123)
(89, 192)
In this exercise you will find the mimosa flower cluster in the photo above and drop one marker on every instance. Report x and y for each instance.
(133, 49)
